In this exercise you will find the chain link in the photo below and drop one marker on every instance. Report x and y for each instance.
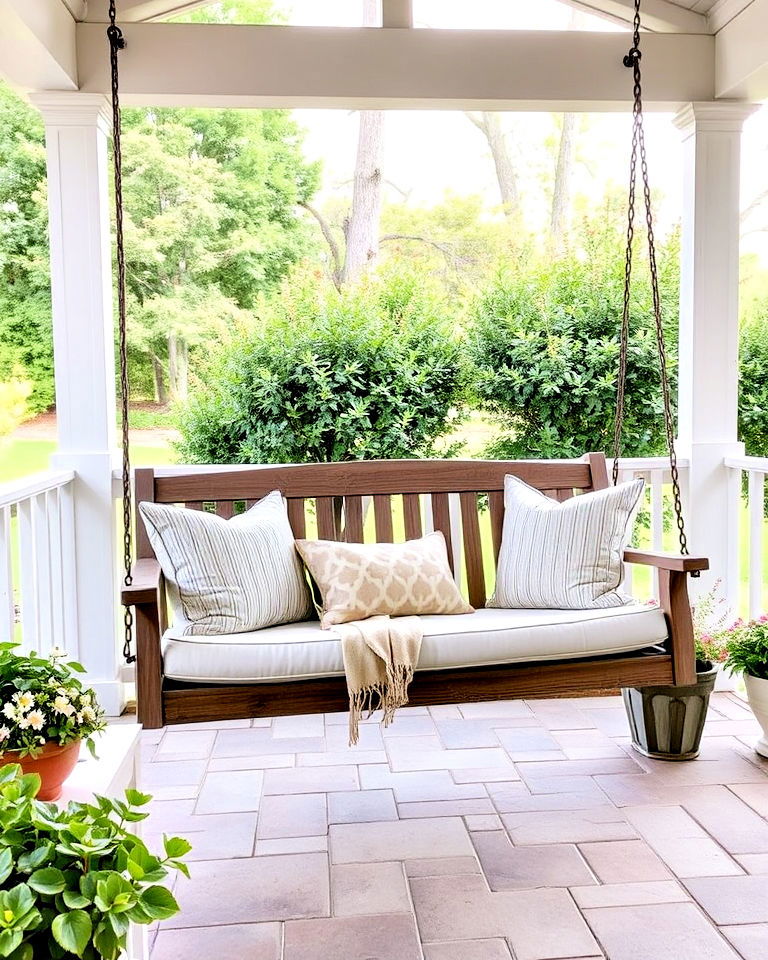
(117, 43)
(632, 61)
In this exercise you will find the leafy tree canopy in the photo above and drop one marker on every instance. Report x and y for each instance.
(25, 301)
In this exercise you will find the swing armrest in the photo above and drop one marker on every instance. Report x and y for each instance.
(673, 600)
(147, 580)
(666, 561)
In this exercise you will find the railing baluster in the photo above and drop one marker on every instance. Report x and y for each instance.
(55, 567)
(657, 519)
(7, 599)
(29, 619)
(70, 640)
(756, 517)
(731, 588)
(624, 477)
(42, 572)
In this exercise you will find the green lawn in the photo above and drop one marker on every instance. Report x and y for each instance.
(19, 458)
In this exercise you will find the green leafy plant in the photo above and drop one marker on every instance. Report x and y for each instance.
(372, 372)
(747, 646)
(41, 699)
(753, 384)
(72, 880)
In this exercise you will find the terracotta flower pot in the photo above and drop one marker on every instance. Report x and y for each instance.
(757, 694)
(54, 765)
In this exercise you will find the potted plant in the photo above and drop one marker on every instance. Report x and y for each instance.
(748, 654)
(73, 880)
(667, 722)
(45, 714)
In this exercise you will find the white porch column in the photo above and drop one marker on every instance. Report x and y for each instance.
(77, 129)
(709, 327)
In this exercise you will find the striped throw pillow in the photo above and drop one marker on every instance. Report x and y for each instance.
(566, 556)
(229, 576)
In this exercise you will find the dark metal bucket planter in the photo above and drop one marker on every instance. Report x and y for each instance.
(667, 722)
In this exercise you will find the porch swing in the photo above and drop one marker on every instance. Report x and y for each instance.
(185, 679)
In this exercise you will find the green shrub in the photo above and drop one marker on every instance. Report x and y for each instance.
(545, 342)
(372, 372)
(71, 880)
(753, 386)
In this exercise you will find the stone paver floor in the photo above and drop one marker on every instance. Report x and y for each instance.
(526, 830)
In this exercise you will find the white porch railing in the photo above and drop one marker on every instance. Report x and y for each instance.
(38, 602)
(748, 529)
(658, 501)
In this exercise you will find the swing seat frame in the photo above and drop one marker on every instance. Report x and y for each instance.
(337, 490)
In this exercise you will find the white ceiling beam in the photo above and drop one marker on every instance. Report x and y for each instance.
(741, 55)
(266, 66)
(138, 11)
(37, 45)
(658, 16)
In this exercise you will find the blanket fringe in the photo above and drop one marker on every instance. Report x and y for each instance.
(364, 701)
(387, 696)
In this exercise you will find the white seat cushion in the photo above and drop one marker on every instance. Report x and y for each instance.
(300, 650)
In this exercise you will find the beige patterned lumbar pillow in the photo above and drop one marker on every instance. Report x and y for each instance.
(357, 580)
(564, 555)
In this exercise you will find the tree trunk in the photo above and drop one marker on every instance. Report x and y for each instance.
(362, 225)
(502, 161)
(161, 394)
(561, 194)
(361, 228)
(178, 367)
(489, 124)
(183, 370)
(172, 364)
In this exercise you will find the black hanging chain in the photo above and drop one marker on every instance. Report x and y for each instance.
(117, 43)
(632, 61)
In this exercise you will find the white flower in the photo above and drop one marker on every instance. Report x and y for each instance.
(84, 699)
(24, 700)
(63, 706)
(4, 733)
(88, 714)
(9, 711)
(35, 719)
(79, 718)
(57, 653)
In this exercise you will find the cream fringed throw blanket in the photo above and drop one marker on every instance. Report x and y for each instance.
(380, 655)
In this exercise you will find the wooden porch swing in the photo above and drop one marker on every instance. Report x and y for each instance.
(408, 483)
